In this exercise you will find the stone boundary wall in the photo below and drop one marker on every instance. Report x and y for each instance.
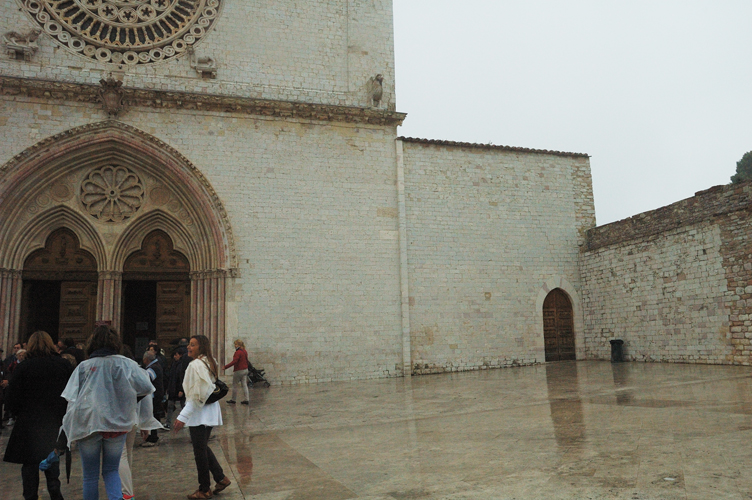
(490, 229)
(674, 283)
(703, 206)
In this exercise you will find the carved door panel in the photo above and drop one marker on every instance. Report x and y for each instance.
(173, 311)
(78, 302)
(558, 327)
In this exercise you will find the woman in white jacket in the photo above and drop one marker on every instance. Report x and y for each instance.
(201, 418)
(102, 395)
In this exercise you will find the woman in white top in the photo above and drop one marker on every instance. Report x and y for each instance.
(102, 395)
(201, 418)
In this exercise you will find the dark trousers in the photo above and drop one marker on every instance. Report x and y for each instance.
(30, 478)
(159, 415)
(205, 460)
(153, 437)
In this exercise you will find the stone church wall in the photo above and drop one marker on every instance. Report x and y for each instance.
(310, 203)
(674, 283)
(318, 52)
(490, 230)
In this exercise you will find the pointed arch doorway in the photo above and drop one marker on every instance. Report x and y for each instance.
(156, 294)
(558, 327)
(58, 184)
(59, 292)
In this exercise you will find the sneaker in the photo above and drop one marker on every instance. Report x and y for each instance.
(224, 483)
(148, 444)
(12, 421)
(230, 401)
(244, 402)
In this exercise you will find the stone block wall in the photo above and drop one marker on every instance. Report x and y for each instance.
(317, 52)
(311, 206)
(674, 283)
(489, 231)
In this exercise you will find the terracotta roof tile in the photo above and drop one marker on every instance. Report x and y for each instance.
(454, 144)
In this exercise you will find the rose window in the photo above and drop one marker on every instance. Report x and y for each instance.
(125, 31)
(112, 194)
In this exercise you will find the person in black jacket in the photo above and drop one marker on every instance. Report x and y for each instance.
(33, 396)
(174, 389)
(70, 348)
(156, 374)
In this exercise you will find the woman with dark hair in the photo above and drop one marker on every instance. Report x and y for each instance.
(201, 418)
(102, 395)
(33, 395)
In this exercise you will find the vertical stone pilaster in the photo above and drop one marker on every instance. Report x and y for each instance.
(208, 308)
(404, 279)
(109, 294)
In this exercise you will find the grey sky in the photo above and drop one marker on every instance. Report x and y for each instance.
(658, 92)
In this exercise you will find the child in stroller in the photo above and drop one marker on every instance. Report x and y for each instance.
(255, 376)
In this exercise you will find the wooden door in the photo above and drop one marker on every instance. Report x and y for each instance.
(173, 311)
(558, 327)
(78, 303)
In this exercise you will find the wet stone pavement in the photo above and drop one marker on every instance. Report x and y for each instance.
(585, 430)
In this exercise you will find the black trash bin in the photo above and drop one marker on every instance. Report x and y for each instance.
(617, 351)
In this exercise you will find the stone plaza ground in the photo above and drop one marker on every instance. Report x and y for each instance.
(570, 430)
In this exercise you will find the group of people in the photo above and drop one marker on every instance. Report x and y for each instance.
(103, 402)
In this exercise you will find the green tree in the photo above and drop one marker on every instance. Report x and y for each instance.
(743, 169)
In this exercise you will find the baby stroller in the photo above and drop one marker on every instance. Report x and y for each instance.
(255, 375)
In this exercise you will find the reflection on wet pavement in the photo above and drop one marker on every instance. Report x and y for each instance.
(585, 430)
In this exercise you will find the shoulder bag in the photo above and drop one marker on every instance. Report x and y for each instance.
(220, 389)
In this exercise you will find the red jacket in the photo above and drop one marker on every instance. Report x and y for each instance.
(239, 360)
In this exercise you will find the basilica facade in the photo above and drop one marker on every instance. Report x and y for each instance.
(233, 169)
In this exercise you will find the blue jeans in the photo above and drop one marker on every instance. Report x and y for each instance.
(109, 449)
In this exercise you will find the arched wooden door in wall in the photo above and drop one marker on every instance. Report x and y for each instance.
(558, 327)
(59, 289)
(156, 294)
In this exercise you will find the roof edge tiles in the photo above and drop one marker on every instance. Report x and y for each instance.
(435, 142)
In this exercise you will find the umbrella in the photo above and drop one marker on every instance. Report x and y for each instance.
(53, 457)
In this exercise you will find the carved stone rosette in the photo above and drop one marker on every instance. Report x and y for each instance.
(112, 194)
(125, 31)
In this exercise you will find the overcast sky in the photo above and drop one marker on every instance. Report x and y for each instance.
(658, 92)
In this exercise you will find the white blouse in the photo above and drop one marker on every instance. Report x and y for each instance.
(198, 385)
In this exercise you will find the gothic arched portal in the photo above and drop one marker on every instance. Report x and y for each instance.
(116, 191)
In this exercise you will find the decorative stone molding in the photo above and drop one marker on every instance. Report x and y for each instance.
(112, 130)
(79, 92)
(376, 84)
(10, 273)
(128, 32)
(21, 46)
(112, 194)
(111, 96)
(206, 66)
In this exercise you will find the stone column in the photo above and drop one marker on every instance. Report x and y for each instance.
(109, 297)
(11, 286)
(208, 308)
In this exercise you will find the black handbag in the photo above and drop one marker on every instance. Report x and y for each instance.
(220, 390)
